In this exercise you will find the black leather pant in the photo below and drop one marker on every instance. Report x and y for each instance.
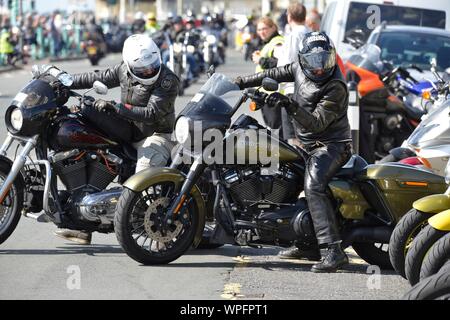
(322, 163)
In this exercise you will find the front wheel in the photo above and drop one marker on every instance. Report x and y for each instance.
(438, 256)
(139, 228)
(436, 287)
(418, 251)
(404, 232)
(11, 206)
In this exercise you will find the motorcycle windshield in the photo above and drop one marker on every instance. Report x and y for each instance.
(215, 97)
(36, 93)
(367, 57)
(433, 130)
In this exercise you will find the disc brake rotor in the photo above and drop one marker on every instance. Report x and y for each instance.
(151, 222)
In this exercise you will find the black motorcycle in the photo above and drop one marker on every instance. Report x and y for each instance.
(68, 147)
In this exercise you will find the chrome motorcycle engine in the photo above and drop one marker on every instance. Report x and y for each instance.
(250, 188)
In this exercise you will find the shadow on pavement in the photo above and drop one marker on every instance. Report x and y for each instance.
(90, 250)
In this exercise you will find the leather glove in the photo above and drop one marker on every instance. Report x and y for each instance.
(103, 105)
(278, 100)
(238, 81)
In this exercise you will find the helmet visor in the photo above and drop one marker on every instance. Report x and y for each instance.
(146, 72)
(318, 61)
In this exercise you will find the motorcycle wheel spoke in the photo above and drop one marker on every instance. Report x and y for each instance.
(133, 231)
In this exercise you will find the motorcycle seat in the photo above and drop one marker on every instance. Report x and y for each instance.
(353, 166)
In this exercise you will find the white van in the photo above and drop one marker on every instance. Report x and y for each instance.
(342, 17)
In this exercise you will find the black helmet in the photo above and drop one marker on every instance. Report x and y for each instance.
(317, 56)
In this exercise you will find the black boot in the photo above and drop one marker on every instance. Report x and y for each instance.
(296, 253)
(334, 259)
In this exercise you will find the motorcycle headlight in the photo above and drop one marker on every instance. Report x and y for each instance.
(211, 39)
(16, 119)
(177, 48)
(190, 49)
(447, 173)
(182, 130)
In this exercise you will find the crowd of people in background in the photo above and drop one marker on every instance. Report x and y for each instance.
(60, 34)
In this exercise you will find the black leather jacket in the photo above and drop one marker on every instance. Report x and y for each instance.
(151, 109)
(320, 111)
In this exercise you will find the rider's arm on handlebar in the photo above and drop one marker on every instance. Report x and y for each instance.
(109, 77)
(280, 74)
(332, 105)
(268, 63)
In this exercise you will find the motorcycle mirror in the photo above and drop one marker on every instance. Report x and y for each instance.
(269, 84)
(211, 71)
(100, 88)
(35, 71)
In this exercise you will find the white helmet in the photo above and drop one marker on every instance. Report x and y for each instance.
(143, 58)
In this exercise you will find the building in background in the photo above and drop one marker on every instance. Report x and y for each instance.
(125, 9)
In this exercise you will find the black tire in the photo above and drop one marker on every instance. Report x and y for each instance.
(125, 236)
(388, 158)
(436, 287)
(438, 256)
(14, 200)
(418, 250)
(373, 254)
(404, 232)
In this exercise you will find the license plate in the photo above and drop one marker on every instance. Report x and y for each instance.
(92, 50)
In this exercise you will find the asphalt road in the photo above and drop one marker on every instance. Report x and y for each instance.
(34, 264)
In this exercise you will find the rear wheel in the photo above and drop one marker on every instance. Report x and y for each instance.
(11, 206)
(374, 253)
(418, 251)
(403, 235)
(139, 228)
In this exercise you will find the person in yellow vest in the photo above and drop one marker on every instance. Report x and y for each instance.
(267, 58)
(6, 46)
(151, 25)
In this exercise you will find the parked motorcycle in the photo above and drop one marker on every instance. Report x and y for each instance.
(415, 223)
(161, 214)
(429, 144)
(438, 226)
(385, 119)
(436, 287)
(67, 147)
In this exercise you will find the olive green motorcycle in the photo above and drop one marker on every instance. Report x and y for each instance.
(430, 209)
(161, 212)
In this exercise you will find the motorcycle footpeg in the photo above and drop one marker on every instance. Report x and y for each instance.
(39, 217)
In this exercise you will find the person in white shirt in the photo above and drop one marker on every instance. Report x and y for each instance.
(296, 15)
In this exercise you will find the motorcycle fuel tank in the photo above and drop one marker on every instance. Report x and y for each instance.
(73, 133)
(259, 146)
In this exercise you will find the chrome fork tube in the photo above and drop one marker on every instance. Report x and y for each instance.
(6, 144)
(17, 165)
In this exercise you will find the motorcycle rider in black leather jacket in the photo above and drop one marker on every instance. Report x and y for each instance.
(146, 114)
(319, 110)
